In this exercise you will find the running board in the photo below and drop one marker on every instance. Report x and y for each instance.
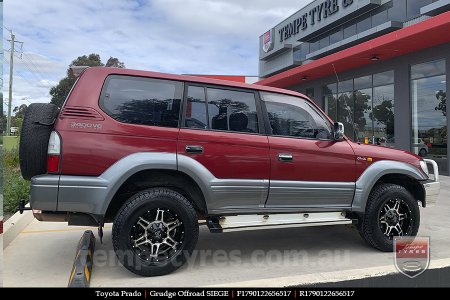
(272, 221)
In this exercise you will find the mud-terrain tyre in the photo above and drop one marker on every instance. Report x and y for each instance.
(155, 232)
(34, 136)
(390, 211)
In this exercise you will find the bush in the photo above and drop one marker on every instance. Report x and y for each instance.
(15, 187)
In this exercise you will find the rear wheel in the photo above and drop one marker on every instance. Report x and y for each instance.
(155, 232)
(391, 211)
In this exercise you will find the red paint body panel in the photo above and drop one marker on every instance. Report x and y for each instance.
(92, 143)
(381, 153)
(313, 160)
(90, 151)
(229, 155)
(426, 34)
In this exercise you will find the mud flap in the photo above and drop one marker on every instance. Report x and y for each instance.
(82, 266)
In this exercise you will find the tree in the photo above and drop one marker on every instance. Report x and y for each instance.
(114, 62)
(19, 111)
(60, 91)
(383, 114)
(441, 96)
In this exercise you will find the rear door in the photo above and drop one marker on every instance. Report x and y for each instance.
(308, 168)
(222, 129)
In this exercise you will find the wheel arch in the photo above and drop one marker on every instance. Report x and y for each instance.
(183, 174)
(387, 171)
(144, 179)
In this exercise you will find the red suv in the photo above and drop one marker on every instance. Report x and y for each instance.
(159, 154)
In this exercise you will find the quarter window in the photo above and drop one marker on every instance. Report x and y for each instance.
(142, 101)
(295, 117)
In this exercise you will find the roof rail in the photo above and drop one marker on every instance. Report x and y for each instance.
(77, 70)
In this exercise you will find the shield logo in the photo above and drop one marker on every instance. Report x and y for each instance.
(268, 41)
(412, 255)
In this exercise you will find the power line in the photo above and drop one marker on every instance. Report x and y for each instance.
(32, 85)
(27, 64)
(26, 55)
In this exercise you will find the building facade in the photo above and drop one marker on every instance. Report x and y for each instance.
(380, 67)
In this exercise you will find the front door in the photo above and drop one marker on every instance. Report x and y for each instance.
(308, 168)
(221, 130)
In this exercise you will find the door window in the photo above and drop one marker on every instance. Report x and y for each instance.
(295, 117)
(232, 110)
(196, 116)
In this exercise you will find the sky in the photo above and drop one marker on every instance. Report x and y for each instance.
(173, 36)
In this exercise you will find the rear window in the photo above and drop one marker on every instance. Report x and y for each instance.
(143, 101)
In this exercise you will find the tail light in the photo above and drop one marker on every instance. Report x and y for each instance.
(53, 153)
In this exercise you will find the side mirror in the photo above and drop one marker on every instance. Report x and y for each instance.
(338, 131)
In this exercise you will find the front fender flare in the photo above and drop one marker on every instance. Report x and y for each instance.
(372, 174)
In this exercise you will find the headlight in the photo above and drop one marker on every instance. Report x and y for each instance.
(424, 167)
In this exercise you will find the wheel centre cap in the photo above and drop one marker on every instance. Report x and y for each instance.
(392, 217)
(158, 230)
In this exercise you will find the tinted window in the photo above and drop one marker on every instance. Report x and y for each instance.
(336, 37)
(379, 18)
(413, 7)
(324, 42)
(142, 101)
(196, 116)
(292, 116)
(349, 31)
(232, 110)
(364, 25)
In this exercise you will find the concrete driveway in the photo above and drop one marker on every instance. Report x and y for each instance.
(42, 255)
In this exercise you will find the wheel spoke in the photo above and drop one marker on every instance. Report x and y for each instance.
(402, 217)
(397, 205)
(159, 215)
(399, 229)
(388, 231)
(141, 241)
(170, 242)
(143, 223)
(154, 250)
(172, 225)
(157, 234)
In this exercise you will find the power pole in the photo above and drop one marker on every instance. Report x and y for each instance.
(11, 69)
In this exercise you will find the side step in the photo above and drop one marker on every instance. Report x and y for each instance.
(272, 221)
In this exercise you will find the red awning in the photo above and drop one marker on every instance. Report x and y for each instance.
(426, 34)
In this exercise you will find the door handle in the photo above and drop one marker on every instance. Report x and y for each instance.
(193, 149)
(285, 157)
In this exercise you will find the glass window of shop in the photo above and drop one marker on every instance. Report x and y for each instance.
(363, 108)
(383, 108)
(329, 93)
(365, 105)
(346, 106)
(413, 7)
(429, 112)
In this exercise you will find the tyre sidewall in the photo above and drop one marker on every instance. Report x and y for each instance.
(399, 193)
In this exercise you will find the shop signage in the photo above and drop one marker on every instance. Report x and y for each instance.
(314, 17)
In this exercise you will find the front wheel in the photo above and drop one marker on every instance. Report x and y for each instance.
(391, 211)
(155, 232)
